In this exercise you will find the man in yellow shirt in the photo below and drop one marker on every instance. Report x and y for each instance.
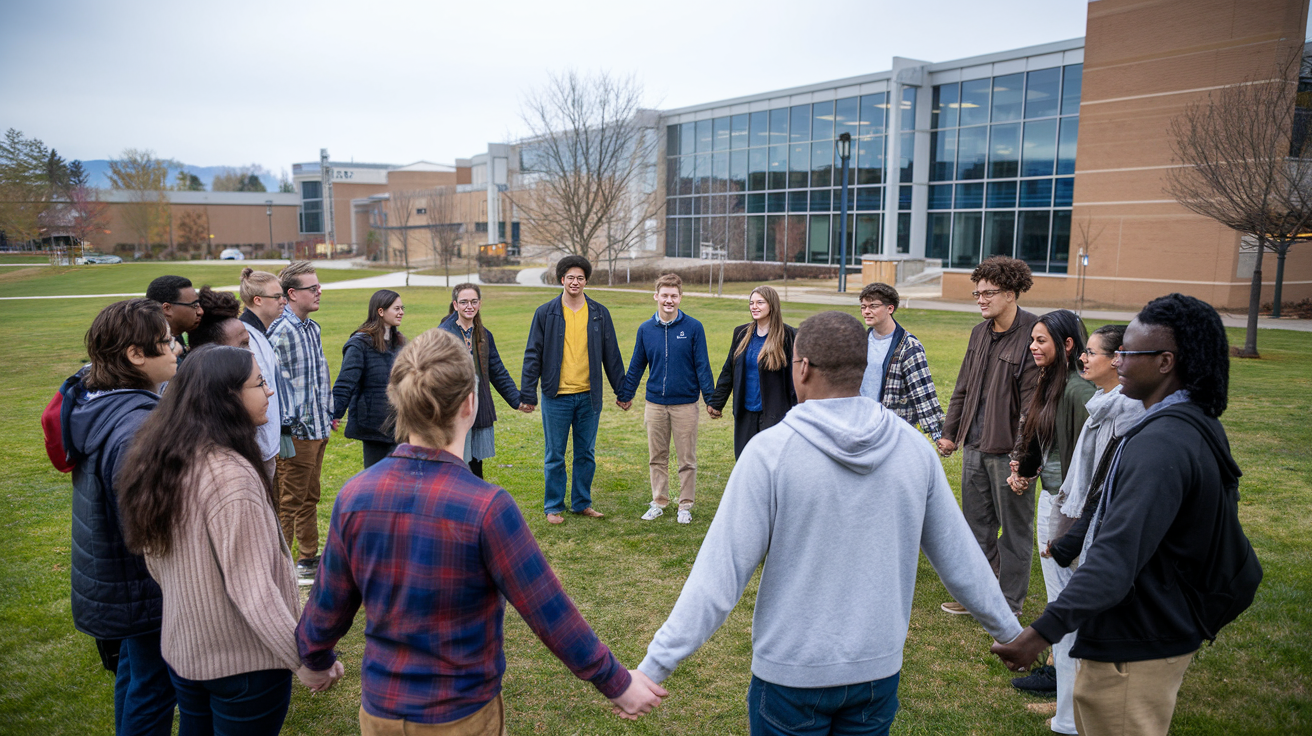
(570, 342)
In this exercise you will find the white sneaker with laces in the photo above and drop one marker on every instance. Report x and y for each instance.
(685, 516)
(652, 512)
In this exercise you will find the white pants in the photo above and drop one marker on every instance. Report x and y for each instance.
(1055, 578)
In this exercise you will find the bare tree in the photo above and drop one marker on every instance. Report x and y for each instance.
(401, 209)
(1245, 164)
(587, 182)
(444, 226)
(145, 178)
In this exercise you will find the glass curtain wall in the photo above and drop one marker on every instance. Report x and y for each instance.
(766, 185)
(1002, 159)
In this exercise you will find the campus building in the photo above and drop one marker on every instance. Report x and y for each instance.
(1054, 154)
(199, 224)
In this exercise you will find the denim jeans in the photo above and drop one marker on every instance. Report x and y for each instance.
(861, 708)
(143, 693)
(249, 704)
(559, 415)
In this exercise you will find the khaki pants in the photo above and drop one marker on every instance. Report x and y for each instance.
(490, 720)
(1127, 698)
(298, 496)
(679, 421)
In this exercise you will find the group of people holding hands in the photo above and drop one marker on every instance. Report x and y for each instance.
(196, 482)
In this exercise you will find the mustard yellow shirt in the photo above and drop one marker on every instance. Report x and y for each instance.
(574, 377)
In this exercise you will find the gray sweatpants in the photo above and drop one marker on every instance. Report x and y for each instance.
(989, 504)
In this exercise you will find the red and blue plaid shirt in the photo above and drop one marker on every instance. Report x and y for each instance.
(431, 550)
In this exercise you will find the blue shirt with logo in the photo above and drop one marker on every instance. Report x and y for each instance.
(676, 354)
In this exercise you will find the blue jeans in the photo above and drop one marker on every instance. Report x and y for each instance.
(862, 708)
(249, 704)
(143, 694)
(558, 416)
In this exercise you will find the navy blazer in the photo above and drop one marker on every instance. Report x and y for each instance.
(546, 347)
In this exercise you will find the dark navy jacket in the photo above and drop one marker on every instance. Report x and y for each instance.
(114, 596)
(680, 370)
(361, 387)
(546, 346)
(491, 372)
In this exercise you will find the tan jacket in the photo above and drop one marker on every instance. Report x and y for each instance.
(1011, 382)
(230, 598)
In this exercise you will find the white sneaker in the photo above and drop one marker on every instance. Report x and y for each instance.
(685, 516)
(652, 512)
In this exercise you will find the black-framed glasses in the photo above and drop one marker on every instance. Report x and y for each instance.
(191, 305)
(1123, 353)
(270, 296)
(987, 294)
(312, 289)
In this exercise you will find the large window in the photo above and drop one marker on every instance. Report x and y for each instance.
(1008, 143)
(311, 207)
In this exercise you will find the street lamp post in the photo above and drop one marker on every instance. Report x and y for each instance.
(209, 252)
(844, 145)
(268, 210)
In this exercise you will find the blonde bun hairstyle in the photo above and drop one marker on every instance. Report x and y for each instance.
(431, 378)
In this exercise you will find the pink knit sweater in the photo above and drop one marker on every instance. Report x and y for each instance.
(230, 598)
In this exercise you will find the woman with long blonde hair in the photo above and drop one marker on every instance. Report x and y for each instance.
(758, 371)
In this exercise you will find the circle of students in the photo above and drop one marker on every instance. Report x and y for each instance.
(195, 471)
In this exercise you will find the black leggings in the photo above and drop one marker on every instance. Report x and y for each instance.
(476, 467)
(375, 451)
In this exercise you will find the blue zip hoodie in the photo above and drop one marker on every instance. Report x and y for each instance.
(682, 345)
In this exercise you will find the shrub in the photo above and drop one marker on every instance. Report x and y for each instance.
(498, 275)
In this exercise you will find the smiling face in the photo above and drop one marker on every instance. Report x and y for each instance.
(574, 281)
(393, 314)
(993, 302)
(759, 308)
(467, 304)
(877, 315)
(667, 302)
(255, 393)
(1042, 347)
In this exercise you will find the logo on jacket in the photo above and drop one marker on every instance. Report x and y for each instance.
(680, 336)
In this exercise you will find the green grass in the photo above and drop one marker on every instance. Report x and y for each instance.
(625, 574)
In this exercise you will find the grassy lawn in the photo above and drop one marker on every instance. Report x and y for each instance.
(124, 278)
(625, 574)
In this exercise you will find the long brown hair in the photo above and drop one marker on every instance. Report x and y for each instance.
(478, 347)
(202, 411)
(1041, 416)
(772, 357)
(376, 328)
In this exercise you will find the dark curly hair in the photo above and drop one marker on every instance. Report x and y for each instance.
(219, 306)
(1008, 274)
(1202, 352)
(565, 264)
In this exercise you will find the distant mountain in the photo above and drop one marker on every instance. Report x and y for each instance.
(98, 169)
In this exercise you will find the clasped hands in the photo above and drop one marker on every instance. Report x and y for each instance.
(641, 696)
(1018, 484)
(320, 680)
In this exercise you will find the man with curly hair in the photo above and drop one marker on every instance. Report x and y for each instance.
(1141, 599)
(996, 379)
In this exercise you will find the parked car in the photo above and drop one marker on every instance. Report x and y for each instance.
(231, 254)
(94, 258)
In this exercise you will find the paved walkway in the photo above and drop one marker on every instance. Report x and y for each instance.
(914, 297)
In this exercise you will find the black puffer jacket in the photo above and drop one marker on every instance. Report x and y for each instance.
(113, 594)
(361, 387)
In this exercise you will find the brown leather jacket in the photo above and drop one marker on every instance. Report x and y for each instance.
(1010, 383)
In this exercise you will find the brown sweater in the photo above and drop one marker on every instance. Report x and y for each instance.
(230, 598)
(1009, 384)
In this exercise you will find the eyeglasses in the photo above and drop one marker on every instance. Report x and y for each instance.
(1123, 353)
(1090, 352)
(191, 305)
(467, 303)
(312, 289)
(171, 342)
(989, 294)
(270, 296)
(262, 383)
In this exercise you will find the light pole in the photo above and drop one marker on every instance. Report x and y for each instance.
(268, 210)
(209, 252)
(844, 145)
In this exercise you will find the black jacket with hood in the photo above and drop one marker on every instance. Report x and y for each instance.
(1174, 476)
(114, 596)
(361, 388)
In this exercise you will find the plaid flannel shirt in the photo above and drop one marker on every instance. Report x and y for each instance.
(431, 550)
(909, 389)
(307, 405)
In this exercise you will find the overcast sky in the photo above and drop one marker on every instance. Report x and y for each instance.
(272, 82)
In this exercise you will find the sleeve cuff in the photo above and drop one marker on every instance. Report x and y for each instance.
(618, 683)
(1049, 628)
(656, 672)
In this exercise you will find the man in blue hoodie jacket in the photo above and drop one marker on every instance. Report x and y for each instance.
(674, 346)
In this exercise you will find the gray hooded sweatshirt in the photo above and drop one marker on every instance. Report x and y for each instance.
(838, 500)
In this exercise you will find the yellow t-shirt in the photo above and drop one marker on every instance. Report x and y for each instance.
(574, 360)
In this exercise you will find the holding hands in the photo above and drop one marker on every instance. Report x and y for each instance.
(320, 680)
(945, 446)
(1021, 652)
(624, 404)
(641, 696)
(1018, 484)
(526, 408)
(713, 412)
